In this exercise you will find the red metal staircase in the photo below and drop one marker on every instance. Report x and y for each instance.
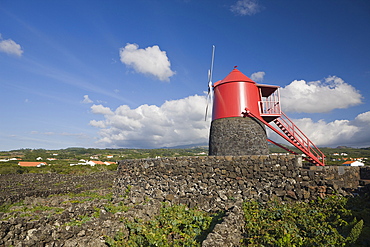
(296, 137)
(290, 132)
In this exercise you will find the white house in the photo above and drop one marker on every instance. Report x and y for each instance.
(353, 163)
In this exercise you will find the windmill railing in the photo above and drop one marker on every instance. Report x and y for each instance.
(301, 138)
(268, 107)
(293, 135)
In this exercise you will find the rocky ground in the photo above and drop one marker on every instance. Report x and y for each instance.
(63, 210)
(57, 210)
(71, 210)
(15, 187)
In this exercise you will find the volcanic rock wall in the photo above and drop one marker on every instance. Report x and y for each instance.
(237, 136)
(216, 183)
(365, 172)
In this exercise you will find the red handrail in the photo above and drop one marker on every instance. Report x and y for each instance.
(295, 136)
(301, 138)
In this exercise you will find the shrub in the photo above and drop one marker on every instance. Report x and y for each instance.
(175, 226)
(11, 169)
(318, 223)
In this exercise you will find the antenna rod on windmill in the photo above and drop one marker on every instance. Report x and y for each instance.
(213, 59)
(210, 72)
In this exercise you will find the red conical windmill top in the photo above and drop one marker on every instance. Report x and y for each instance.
(233, 94)
(239, 96)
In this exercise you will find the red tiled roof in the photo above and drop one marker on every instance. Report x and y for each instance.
(31, 164)
(99, 162)
(348, 162)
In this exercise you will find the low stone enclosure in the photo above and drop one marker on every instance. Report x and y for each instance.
(214, 183)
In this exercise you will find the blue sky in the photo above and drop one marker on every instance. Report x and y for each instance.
(134, 73)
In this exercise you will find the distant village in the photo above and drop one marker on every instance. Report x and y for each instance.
(341, 158)
(94, 160)
(349, 161)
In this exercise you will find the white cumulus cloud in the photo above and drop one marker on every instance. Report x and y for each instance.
(364, 118)
(86, 100)
(149, 61)
(10, 47)
(258, 76)
(100, 109)
(327, 134)
(336, 133)
(319, 96)
(180, 122)
(98, 124)
(245, 7)
(176, 122)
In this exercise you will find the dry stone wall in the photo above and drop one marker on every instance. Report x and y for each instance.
(215, 183)
(237, 136)
(365, 172)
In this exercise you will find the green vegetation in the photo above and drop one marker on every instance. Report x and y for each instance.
(6, 168)
(332, 159)
(64, 157)
(5, 208)
(60, 169)
(334, 221)
(175, 226)
(81, 219)
(74, 154)
(19, 209)
(87, 196)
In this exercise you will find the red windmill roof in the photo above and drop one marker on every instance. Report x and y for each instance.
(234, 75)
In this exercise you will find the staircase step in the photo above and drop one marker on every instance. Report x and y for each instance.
(293, 135)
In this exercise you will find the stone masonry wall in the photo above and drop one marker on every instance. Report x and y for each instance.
(216, 183)
(237, 136)
(365, 172)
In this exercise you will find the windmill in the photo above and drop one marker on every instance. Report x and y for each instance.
(241, 110)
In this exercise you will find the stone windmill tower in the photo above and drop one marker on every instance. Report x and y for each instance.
(241, 110)
(231, 133)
